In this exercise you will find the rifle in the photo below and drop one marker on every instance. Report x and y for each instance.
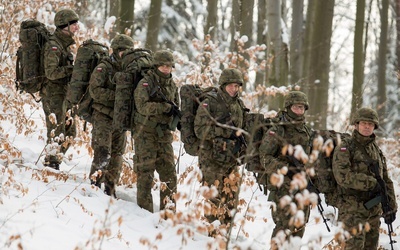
(383, 198)
(177, 116)
(311, 187)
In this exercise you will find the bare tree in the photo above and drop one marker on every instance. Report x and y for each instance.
(126, 15)
(235, 24)
(153, 26)
(211, 22)
(296, 42)
(358, 60)
(278, 75)
(261, 37)
(382, 60)
(318, 50)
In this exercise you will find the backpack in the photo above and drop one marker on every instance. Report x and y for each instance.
(191, 96)
(30, 76)
(135, 64)
(88, 56)
(325, 181)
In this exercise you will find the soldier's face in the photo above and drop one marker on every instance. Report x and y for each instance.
(232, 89)
(165, 69)
(73, 28)
(298, 109)
(365, 128)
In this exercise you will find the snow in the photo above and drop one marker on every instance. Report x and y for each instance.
(41, 208)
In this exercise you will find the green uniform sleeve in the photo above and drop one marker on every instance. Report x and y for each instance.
(143, 103)
(270, 147)
(204, 126)
(97, 85)
(344, 174)
(53, 67)
(389, 187)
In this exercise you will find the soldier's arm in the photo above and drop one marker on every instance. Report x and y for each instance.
(344, 174)
(97, 85)
(52, 70)
(143, 104)
(204, 126)
(389, 187)
(269, 148)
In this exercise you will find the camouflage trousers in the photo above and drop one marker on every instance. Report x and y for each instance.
(153, 154)
(57, 105)
(354, 216)
(108, 147)
(215, 172)
(282, 216)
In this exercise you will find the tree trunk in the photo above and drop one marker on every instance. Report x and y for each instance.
(382, 61)
(261, 38)
(296, 42)
(126, 15)
(211, 22)
(277, 52)
(235, 24)
(319, 62)
(153, 26)
(246, 29)
(358, 60)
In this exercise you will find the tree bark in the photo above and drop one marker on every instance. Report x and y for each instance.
(381, 105)
(126, 15)
(153, 27)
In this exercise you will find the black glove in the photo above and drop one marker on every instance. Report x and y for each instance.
(233, 135)
(375, 191)
(389, 216)
(174, 111)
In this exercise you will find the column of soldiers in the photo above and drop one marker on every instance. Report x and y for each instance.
(219, 122)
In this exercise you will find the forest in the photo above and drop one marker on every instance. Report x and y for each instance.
(343, 54)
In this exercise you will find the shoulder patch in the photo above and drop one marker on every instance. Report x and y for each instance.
(343, 149)
(145, 84)
(54, 48)
(271, 132)
(205, 104)
(99, 69)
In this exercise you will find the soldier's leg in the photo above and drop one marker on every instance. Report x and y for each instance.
(372, 236)
(114, 169)
(70, 128)
(352, 223)
(101, 144)
(165, 166)
(145, 158)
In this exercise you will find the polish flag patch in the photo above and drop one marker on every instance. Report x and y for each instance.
(99, 69)
(145, 84)
(54, 48)
(343, 149)
(271, 132)
(205, 105)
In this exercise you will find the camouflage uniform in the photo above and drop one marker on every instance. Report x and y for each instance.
(357, 184)
(108, 143)
(220, 148)
(152, 133)
(289, 128)
(58, 65)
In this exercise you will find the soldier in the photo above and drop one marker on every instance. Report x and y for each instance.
(358, 184)
(58, 65)
(217, 121)
(156, 100)
(289, 129)
(108, 143)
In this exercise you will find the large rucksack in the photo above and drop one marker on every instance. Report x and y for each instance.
(89, 55)
(30, 76)
(135, 64)
(191, 96)
(324, 179)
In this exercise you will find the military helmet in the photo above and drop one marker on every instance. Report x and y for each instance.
(231, 75)
(366, 114)
(122, 41)
(65, 17)
(296, 97)
(163, 57)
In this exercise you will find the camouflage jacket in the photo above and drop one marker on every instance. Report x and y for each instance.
(285, 131)
(58, 62)
(151, 108)
(101, 85)
(222, 108)
(351, 170)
